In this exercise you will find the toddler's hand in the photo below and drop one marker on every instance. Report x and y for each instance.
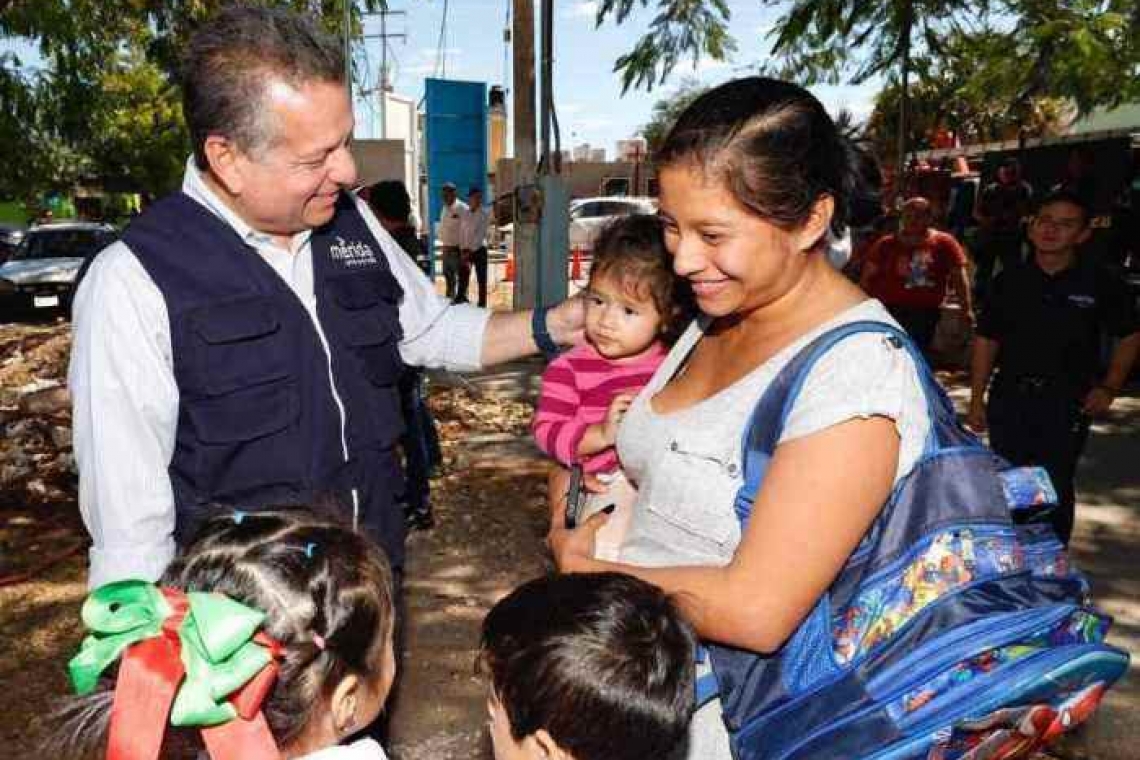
(614, 415)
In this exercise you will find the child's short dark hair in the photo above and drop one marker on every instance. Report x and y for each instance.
(326, 592)
(603, 662)
(632, 250)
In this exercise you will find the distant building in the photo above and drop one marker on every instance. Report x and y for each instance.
(581, 152)
(632, 150)
(597, 155)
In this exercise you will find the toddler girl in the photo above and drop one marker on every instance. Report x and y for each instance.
(269, 637)
(635, 307)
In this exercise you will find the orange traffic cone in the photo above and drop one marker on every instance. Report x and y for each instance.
(509, 275)
(576, 264)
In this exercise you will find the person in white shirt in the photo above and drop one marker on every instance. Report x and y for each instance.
(474, 246)
(450, 236)
(241, 343)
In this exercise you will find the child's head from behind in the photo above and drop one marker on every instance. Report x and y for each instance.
(588, 667)
(633, 299)
(326, 592)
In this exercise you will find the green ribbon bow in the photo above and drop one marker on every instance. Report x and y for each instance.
(216, 637)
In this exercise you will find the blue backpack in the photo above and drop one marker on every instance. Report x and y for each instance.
(953, 632)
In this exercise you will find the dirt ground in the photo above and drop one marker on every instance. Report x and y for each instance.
(489, 500)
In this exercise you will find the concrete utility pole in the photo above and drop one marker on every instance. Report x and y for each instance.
(553, 227)
(385, 86)
(527, 202)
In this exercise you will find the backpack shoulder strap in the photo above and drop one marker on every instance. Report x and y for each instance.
(766, 424)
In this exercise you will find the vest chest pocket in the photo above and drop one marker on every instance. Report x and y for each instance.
(241, 405)
(365, 319)
(237, 345)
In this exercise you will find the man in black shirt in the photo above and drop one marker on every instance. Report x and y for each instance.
(1042, 327)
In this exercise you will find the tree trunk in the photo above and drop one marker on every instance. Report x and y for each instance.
(904, 77)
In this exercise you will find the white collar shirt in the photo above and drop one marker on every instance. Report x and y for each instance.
(473, 228)
(450, 229)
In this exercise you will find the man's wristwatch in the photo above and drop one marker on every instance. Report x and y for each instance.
(541, 334)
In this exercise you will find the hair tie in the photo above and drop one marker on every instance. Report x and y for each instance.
(319, 640)
(309, 547)
(238, 516)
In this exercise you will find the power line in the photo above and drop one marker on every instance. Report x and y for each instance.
(441, 49)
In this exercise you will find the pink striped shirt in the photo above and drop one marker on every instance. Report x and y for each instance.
(577, 389)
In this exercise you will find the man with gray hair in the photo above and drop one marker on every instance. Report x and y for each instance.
(241, 344)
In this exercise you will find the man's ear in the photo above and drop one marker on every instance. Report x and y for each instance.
(224, 162)
(541, 746)
(343, 704)
(814, 229)
(1086, 233)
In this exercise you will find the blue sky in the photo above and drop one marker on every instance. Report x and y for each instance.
(588, 98)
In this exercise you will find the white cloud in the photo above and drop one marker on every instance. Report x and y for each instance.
(582, 9)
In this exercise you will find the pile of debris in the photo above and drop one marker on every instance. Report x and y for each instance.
(36, 462)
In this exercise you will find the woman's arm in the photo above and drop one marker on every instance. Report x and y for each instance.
(819, 497)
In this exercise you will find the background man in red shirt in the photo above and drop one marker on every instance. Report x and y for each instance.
(909, 270)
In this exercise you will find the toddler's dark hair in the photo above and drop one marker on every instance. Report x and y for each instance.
(314, 580)
(631, 249)
(603, 662)
(773, 145)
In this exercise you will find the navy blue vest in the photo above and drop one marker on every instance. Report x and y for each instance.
(258, 425)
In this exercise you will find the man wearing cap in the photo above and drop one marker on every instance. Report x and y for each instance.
(449, 232)
(241, 344)
(473, 236)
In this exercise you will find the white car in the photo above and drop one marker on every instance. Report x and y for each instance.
(42, 274)
(589, 215)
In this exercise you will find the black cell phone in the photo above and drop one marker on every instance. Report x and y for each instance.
(574, 498)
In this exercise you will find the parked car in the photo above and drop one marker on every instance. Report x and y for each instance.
(43, 273)
(589, 215)
(10, 237)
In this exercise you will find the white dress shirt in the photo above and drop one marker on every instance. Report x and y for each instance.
(125, 398)
(473, 228)
(450, 229)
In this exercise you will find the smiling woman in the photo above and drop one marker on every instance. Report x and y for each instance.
(753, 176)
(837, 539)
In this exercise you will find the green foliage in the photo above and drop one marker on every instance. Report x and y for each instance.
(105, 108)
(833, 40)
(667, 109)
(680, 28)
(1027, 77)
